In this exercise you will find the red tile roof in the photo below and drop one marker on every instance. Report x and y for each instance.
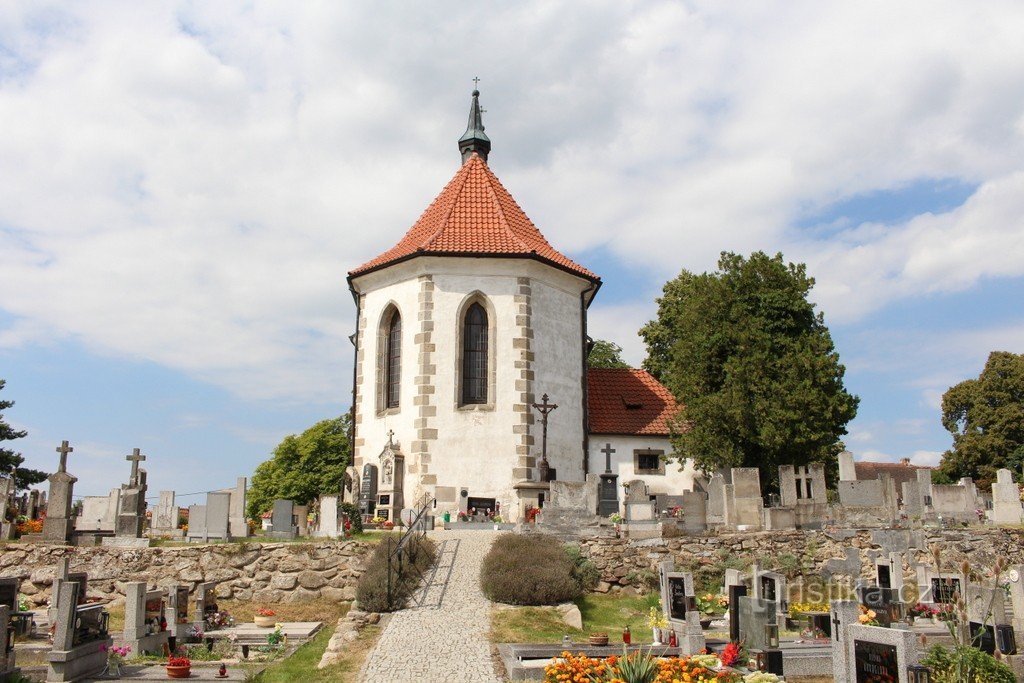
(628, 401)
(474, 215)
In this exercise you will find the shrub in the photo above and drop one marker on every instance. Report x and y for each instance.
(418, 555)
(965, 664)
(527, 569)
(352, 513)
(584, 571)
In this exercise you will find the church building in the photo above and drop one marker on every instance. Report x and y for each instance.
(471, 383)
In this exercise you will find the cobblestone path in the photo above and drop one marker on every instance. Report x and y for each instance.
(445, 638)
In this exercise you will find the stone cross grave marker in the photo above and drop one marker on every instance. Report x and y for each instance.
(59, 522)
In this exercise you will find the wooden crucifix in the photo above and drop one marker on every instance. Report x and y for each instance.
(544, 408)
(135, 458)
(64, 449)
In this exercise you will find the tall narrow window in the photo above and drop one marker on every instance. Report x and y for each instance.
(393, 362)
(474, 355)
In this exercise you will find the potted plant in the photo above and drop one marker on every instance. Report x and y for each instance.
(711, 606)
(919, 611)
(179, 667)
(598, 639)
(264, 617)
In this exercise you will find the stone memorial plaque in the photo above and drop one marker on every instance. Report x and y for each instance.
(875, 662)
(368, 490)
(943, 589)
(983, 637)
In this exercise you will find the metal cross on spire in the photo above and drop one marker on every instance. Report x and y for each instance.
(476, 81)
(544, 408)
(136, 457)
(64, 449)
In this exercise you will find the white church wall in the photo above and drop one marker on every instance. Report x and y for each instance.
(558, 354)
(475, 446)
(672, 482)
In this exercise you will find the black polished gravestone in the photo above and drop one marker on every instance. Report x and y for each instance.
(368, 490)
(878, 600)
(944, 588)
(678, 603)
(875, 662)
(735, 593)
(983, 637)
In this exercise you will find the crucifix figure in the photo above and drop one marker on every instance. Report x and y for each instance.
(391, 435)
(544, 408)
(64, 449)
(135, 458)
(607, 450)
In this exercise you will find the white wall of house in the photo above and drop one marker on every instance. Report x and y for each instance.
(673, 482)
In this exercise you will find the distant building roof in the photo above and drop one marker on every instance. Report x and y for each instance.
(628, 401)
(900, 472)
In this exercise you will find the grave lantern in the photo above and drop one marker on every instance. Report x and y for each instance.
(771, 635)
(919, 674)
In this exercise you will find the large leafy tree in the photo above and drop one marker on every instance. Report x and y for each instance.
(986, 418)
(606, 354)
(753, 366)
(303, 466)
(9, 459)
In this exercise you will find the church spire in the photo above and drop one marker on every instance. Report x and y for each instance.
(475, 139)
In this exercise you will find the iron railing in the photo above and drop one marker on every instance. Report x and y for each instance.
(403, 550)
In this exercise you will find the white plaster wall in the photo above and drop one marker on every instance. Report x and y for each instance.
(558, 368)
(374, 428)
(673, 482)
(476, 448)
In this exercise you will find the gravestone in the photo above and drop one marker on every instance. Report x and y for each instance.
(301, 513)
(59, 522)
(177, 612)
(238, 526)
(282, 520)
(196, 523)
(754, 615)
(9, 670)
(1013, 579)
(639, 506)
(771, 586)
(143, 612)
(1006, 504)
(99, 513)
(165, 517)
(368, 491)
(330, 526)
(80, 640)
(735, 592)
(680, 608)
(9, 514)
(131, 518)
(802, 490)
(218, 515)
(695, 519)
(205, 604)
(9, 587)
(873, 653)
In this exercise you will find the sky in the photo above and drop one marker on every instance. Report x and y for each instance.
(184, 187)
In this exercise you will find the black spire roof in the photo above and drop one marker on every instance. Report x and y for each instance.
(475, 139)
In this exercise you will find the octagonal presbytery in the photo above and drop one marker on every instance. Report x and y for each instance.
(461, 326)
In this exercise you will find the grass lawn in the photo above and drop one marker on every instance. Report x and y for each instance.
(602, 613)
(301, 666)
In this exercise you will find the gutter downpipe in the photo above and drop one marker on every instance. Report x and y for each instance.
(584, 305)
(355, 364)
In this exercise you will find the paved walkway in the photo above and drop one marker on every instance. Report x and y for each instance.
(445, 638)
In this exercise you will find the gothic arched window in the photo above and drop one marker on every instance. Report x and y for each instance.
(393, 362)
(474, 355)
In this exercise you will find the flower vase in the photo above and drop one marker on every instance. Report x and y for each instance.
(179, 671)
(114, 669)
(656, 632)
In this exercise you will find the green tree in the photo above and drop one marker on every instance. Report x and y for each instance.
(606, 354)
(986, 418)
(9, 459)
(303, 467)
(753, 366)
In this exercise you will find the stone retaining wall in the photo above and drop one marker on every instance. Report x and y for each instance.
(624, 563)
(264, 572)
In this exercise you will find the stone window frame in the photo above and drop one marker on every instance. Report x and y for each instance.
(387, 315)
(476, 297)
(637, 452)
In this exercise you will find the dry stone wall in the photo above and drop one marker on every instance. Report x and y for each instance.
(264, 572)
(623, 563)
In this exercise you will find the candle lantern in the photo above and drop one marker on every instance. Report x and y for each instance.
(771, 635)
(919, 674)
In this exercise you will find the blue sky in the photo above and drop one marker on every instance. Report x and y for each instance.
(185, 186)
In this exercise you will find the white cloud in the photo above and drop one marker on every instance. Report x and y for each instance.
(189, 184)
